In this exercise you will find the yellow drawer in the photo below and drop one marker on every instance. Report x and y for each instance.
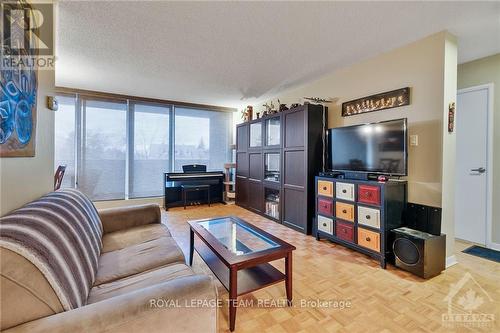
(325, 188)
(369, 239)
(344, 211)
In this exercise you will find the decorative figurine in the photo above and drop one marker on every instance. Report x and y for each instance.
(317, 100)
(282, 107)
(258, 115)
(247, 114)
(268, 109)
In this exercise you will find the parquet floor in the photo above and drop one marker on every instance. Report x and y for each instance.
(388, 300)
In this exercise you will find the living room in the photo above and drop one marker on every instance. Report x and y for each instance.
(244, 166)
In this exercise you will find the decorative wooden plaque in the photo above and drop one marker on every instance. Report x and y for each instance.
(386, 100)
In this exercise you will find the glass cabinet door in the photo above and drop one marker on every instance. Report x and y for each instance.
(272, 167)
(272, 203)
(273, 131)
(256, 134)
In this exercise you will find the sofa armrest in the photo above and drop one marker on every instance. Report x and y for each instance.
(114, 219)
(165, 307)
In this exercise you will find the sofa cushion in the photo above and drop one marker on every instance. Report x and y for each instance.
(60, 234)
(138, 258)
(121, 239)
(26, 294)
(137, 282)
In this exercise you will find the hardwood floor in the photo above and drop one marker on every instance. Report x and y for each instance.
(388, 300)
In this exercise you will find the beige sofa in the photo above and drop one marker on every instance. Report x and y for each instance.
(116, 270)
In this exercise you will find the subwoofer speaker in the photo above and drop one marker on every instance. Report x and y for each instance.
(418, 252)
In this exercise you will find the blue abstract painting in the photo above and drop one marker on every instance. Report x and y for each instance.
(18, 97)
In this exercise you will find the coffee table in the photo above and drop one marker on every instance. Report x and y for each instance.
(238, 253)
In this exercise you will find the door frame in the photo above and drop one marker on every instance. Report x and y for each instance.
(489, 161)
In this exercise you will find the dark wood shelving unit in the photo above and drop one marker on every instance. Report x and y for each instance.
(296, 136)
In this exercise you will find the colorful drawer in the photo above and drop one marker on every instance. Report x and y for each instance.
(369, 239)
(369, 194)
(344, 211)
(325, 207)
(325, 188)
(369, 216)
(325, 224)
(345, 231)
(344, 191)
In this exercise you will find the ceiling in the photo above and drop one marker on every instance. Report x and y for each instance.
(233, 54)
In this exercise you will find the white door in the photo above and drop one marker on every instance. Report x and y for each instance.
(471, 167)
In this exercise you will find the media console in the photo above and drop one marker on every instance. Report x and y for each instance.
(359, 214)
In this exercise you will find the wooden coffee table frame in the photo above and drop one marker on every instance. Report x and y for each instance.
(242, 274)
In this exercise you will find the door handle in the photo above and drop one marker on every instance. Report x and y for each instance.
(480, 170)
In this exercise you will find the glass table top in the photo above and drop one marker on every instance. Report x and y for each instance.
(236, 237)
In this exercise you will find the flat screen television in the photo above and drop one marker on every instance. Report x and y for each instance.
(376, 148)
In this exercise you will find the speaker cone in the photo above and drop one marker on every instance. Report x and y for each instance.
(406, 251)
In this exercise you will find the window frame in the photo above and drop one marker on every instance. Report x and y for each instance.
(80, 98)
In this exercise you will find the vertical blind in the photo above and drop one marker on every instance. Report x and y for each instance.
(120, 149)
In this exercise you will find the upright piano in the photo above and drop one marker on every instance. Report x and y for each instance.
(174, 180)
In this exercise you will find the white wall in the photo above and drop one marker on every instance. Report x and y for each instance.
(23, 179)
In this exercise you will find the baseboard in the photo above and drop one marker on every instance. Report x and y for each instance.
(451, 260)
(494, 246)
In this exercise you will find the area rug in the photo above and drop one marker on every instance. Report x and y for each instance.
(483, 252)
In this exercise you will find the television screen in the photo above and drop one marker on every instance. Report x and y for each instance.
(373, 148)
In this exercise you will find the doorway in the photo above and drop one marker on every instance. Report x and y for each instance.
(474, 153)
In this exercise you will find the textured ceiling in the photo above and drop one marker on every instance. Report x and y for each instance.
(232, 54)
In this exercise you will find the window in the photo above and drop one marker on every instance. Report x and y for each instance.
(202, 137)
(120, 149)
(104, 149)
(151, 145)
(65, 139)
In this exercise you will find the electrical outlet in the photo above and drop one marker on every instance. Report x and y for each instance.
(413, 140)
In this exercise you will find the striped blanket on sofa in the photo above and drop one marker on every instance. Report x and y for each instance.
(61, 234)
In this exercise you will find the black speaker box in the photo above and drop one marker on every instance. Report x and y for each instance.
(419, 252)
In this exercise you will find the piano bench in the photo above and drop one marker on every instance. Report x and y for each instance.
(194, 188)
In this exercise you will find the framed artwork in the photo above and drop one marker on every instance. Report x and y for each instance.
(382, 101)
(18, 99)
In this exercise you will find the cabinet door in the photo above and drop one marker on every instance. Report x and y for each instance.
(241, 137)
(256, 166)
(294, 129)
(295, 209)
(241, 191)
(255, 195)
(294, 170)
(242, 164)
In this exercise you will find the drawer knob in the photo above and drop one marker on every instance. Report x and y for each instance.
(345, 231)
(368, 194)
(368, 217)
(324, 224)
(344, 191)
(368, 239)
(324, 188)
(344, 211)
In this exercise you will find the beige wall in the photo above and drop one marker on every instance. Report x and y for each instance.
(478, 72)
(421, 66)
(27, 178)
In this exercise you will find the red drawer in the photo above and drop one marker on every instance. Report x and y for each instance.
(325, 207)
(345, 231)
(369, 194)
